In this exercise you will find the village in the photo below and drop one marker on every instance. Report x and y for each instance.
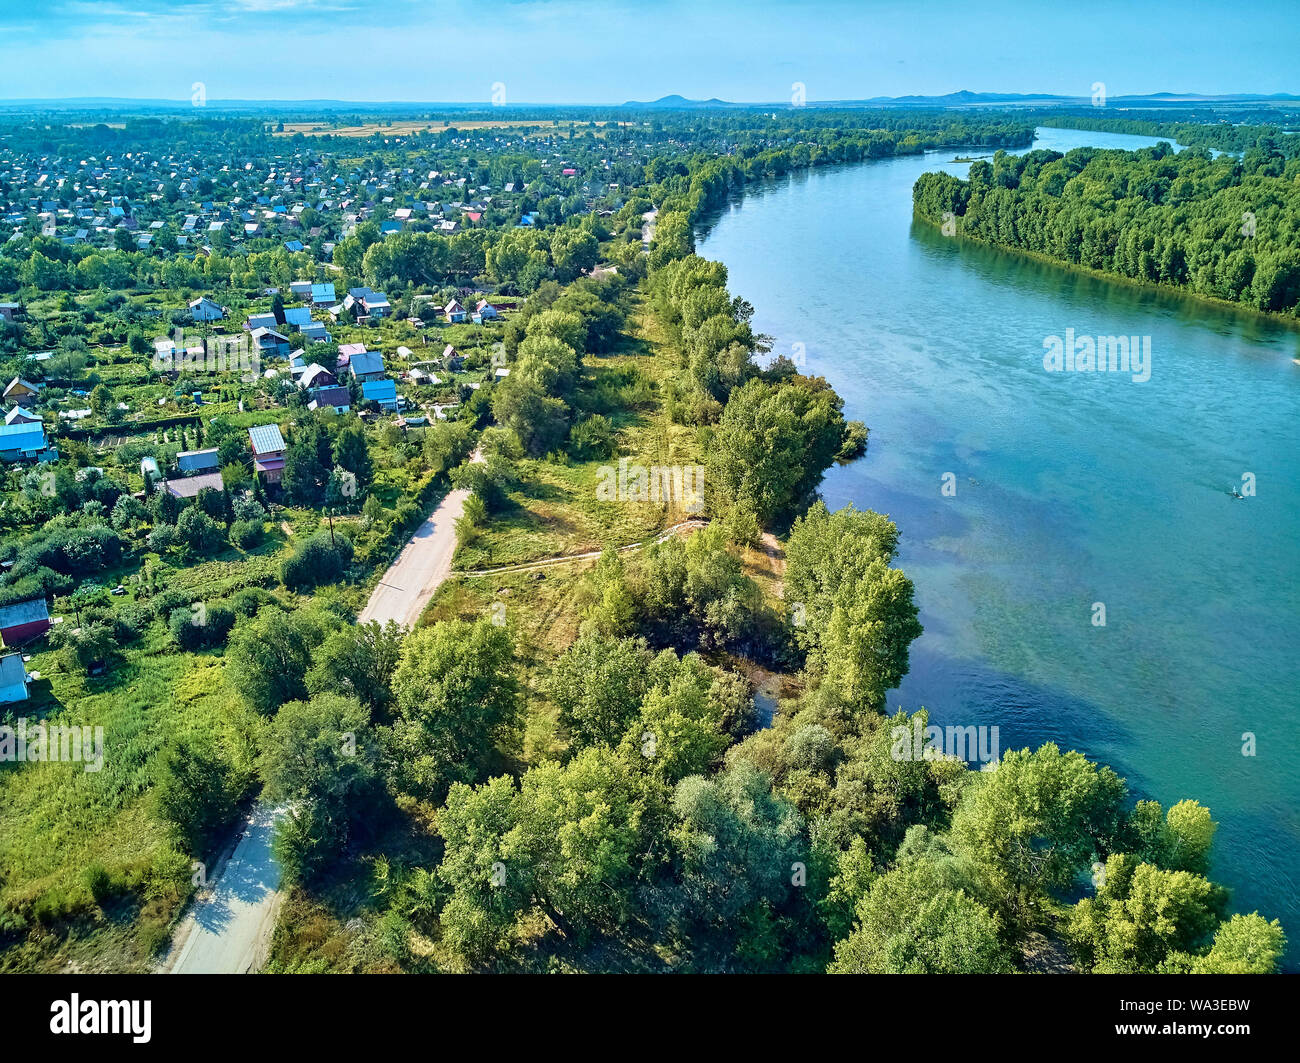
(187, 379)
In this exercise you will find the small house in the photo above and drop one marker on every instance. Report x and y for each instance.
(192, 461)
(13, 679)
(23, 392)
(268, 342)
(315, 331)
(268, 451)
(190, 486)
(336, 398)
(257, 321)
(18, 415)
(368, 365)
(205, 309)
(383, 392)
(23, 621)
(23, 440)
(317, 376)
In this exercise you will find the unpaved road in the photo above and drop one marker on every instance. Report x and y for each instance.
(424, 563)
(229, 930)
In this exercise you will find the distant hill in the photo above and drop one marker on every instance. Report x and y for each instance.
(673, 102)
(676, 102)
(967, 98)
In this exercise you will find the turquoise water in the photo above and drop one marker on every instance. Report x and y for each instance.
(1071, 489)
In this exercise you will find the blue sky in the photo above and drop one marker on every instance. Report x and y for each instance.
(572, 51)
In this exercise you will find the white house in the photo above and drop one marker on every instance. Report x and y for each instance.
(205, 309)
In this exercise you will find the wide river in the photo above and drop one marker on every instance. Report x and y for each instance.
(1070, 489)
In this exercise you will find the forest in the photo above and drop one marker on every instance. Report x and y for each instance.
(1223, 227)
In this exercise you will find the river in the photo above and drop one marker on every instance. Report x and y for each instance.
(1071, 489)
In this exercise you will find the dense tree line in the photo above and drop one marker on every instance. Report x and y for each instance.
(1222, 227)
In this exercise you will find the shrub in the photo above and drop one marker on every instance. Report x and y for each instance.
(248, 601)
(247, 534)
(592, 439)
(202, 628)
(318, 560)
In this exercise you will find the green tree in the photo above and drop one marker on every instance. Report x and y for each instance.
(196, 792)
(457, 697)
(320, 763)
(918, 919)
(771, 447)
(359, 661)
(270, 654)
(1034, 823)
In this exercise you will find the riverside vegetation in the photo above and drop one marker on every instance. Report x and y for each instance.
(565, 773)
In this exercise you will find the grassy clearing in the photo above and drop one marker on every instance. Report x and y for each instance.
(555, 511)
(61, 821)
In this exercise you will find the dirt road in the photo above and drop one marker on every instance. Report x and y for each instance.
(228, 931)
(424, 563)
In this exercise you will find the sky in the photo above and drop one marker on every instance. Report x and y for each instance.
(593, 51)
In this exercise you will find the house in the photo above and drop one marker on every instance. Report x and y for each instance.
(454, 311)
(315, 331)
(365, 302)
(23, 440)
(323, 294)
(485, 311)
(189, 461)
(317, 376)
(269, 342)
(268, 451)
(23, 621)
(297, 316)
(302, 289)
(23, 392)
(383, 392)
(368, 365)
(190, 486)
(9, 311)
(257, 321)
(336, 398)
(451, 358)
(18, 415)
(205, 309)
(13, 679)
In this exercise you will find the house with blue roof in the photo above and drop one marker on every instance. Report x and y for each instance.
(13, 679)
(25, 441)
(368, 365)
(383, 392)
(323, 294)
